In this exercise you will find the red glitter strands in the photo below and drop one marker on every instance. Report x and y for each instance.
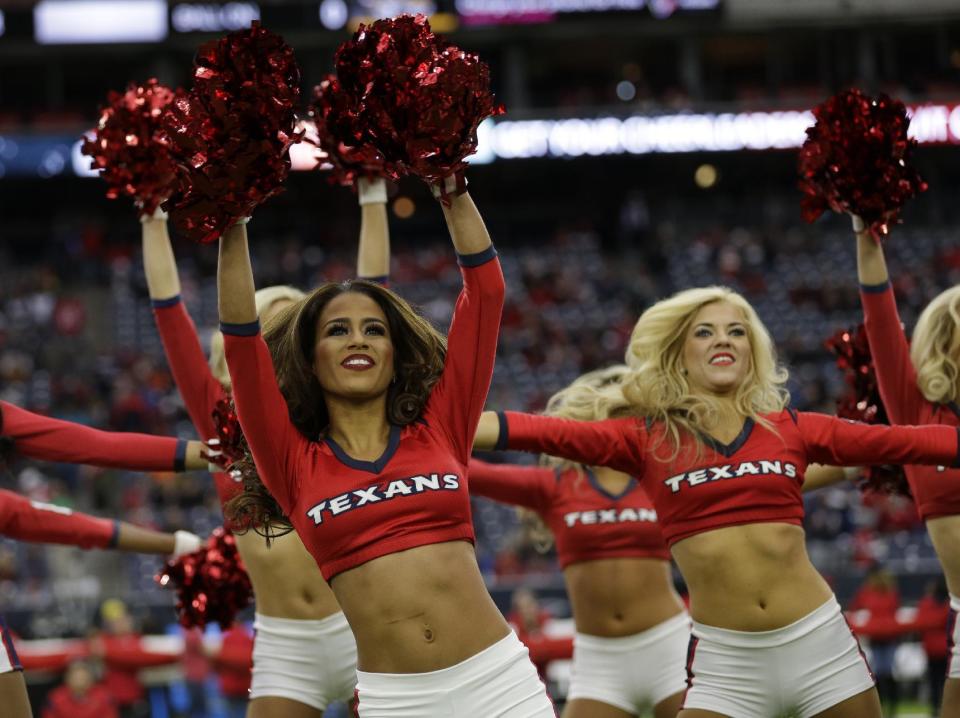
(231, 134)
(857, 159)
(341, 136)
(212, 584)
(415, 97)
(131, 148)
(862, 402)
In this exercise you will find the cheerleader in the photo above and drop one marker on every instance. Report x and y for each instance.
(304, 655)
(360, 423)
(702, 419)
(631, 627)
(919, 383)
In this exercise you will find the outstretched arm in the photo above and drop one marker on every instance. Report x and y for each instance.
(871, 265)
(818, 476)
(373, 254)
(38, 522)
(159, 264)
(42, 437)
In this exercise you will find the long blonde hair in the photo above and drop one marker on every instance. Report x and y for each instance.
(936, 346)
(657, 387)
(265, 298)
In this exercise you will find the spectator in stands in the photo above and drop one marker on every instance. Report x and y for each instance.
(880, 597)
(80, 696)
(933, 613)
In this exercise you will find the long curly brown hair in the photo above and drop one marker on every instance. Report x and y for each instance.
(419, 353)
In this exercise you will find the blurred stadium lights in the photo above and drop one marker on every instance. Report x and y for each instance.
(475, 12)
(57, 22)
(3, 24)
(584, 137)
(213, 17)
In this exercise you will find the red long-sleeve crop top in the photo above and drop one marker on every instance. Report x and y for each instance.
(588, 522)
(935, 489)
(346, 511)
(755, 478)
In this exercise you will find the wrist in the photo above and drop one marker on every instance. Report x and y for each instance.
(371, 191)
(450, 186)
(158, 216)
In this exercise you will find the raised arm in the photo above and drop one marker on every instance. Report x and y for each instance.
(261, 408)
(188, 363)
(41, 437)
(37, 522)
(457, 399)
(528, 486)
(615, 443)
(373, 254)
(896, 375)
(829, 440)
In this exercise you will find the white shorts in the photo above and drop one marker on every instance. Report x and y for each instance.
(312, 662)
(498, 682)
(953, 639)
(8, 654)
(633, 672)
(800, 670)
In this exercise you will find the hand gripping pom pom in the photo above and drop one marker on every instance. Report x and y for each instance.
(862, 402)
(130, 147)
(339, 135)
(857, 159)
(413, 96)
(230, 135)
(212, 584)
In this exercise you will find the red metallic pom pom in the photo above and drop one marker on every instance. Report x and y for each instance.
(232, 443)
(862, 402)
(857, 159)
(130, 147)
(340, 136)
(231, 134)
(417, 98)
(212, 583)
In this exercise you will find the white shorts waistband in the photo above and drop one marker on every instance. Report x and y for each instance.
(766, 639)
(490, 658)
(296, 627)
(633, 642)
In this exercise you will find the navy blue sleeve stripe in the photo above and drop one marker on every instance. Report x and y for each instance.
(475, 260)
(250, 329)
(163, 303)
(180, 458)
(115, 536)
(383, 279)
(793, 414)
(503, 436)
(875, 288)
(956, 463)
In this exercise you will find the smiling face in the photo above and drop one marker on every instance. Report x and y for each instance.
(353, 352)
(716, 349)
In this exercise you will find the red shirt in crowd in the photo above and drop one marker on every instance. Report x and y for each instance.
(97, 703)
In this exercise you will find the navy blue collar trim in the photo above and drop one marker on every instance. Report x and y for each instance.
(595, 483)
(163, 303)
(478, 258)
(734, 446)
(875, 288)
(373, 467)
(249, 329)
